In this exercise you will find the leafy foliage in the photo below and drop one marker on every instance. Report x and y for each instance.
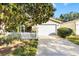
(28, 14)
(63, 32)
(69, 17)
(13, 16)
(40, 12)
(8, 39)
(27, 49)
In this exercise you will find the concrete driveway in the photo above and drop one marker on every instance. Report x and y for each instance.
(55, 46)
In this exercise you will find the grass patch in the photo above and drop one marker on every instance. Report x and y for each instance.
(74, 39)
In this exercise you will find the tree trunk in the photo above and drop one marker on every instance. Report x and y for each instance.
(29, 29)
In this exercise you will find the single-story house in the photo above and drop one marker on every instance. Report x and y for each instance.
(52, 25)
(47, 28)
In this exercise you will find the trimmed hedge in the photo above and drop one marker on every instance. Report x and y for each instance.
(63, 32)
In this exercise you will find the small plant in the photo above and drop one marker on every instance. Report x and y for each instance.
(24, 51)
(19, 51)
(8, 39)
(63, 32)
(34, 43)
(2, 41)
(29, 49)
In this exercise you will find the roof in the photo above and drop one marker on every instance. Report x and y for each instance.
(52, 21)
(76, 20)
(55, 20)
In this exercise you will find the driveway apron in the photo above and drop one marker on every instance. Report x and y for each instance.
(55, 46)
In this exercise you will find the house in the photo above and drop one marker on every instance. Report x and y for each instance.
(74, 25)
(52, 25)
(47, 28)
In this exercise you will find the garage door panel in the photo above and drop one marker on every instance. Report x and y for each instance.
(46, 29)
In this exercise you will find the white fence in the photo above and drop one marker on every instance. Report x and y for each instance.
(22, 35)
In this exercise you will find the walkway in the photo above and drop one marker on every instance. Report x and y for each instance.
(55, 46)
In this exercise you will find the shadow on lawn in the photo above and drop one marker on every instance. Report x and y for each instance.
(7, 50)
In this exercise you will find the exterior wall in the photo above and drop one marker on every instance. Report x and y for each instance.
(70, 24)
(34, 28)
(77, 28)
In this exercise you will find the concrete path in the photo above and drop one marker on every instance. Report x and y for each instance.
(55, 46)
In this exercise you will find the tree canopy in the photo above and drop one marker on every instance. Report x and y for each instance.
(14, 14)
(40, 12)
(69, 17)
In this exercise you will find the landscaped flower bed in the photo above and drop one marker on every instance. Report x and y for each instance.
(20, 48)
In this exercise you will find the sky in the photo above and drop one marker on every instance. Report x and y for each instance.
(63, 8)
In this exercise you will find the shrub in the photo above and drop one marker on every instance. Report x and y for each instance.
(19, 51)
(63, 32)
(8, 39)
(24, 51)
(29, 49)
(34, 43)
(2, 41)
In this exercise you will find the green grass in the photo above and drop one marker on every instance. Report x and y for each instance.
(74, 39)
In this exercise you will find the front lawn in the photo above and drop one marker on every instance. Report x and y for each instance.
(74, 39)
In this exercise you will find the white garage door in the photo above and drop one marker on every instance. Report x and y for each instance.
(47, 29)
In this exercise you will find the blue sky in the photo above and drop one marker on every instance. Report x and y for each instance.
(62, 8)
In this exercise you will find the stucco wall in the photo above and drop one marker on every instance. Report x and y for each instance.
(70, 24)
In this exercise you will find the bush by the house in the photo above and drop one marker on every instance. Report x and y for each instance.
(29, 49)
(25, 51)
(8, 39)
(63, 32)
(34, 43)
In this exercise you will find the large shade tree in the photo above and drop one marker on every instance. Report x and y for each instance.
(40, 12)
(26, 13)
(13, 15)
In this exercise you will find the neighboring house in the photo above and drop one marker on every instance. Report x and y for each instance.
(47, 28)
(74, 25)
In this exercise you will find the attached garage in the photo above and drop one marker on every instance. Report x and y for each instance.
(47, 29)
